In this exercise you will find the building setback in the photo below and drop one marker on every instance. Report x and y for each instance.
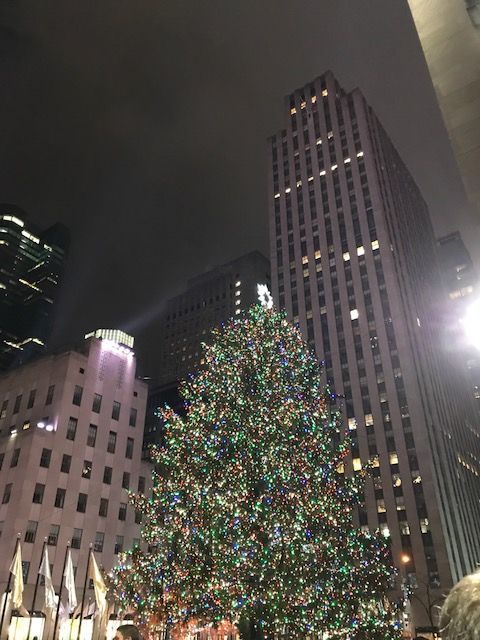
(210, 299)
(354, 262)
(71, 428)
(31, 268)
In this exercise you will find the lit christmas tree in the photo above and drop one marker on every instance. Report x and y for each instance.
(250, 518)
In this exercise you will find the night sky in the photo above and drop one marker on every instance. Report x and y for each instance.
(141, 125)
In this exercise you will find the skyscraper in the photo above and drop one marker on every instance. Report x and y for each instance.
(449, 31)
(210, 299)
(31, 267)
(354, 262)
(71, 428)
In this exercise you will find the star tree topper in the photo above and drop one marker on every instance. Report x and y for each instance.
(264, 296)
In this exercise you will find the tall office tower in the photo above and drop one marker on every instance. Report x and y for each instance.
(461, 284)
(71, 428)
(210, 299)
(449, 31)
(354, 262)
(31, 268)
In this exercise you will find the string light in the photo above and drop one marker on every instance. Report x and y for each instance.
(249, 518)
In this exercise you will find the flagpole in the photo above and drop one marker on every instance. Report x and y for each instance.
(7, 590)
(60, 592)
(36, 589)
(84, 590)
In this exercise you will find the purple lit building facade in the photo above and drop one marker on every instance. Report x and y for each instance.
(354, 263)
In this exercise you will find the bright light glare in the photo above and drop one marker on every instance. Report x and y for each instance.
(471, 324)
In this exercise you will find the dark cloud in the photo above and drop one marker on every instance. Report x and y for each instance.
(141, 124)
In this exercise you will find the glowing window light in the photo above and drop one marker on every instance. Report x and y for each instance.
(325, 93)
(375, 245)
(354, 314)
(357, 464)
(30, 236)
(346, 256)
(293, 111)
(13, 219)
(360, 154)
(393, 457)
(277, 195)
(287, 190)
(360, 251)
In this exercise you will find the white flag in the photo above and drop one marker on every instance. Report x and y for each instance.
(44, 570)
(98, 585)
(70, 583)
(17, 572)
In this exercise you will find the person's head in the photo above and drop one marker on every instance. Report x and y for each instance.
(460, 615)
(126, 631)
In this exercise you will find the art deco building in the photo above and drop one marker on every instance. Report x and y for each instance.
(71, 427)
(449, 31)
(209, 299)
(354, 262)
(31, 267)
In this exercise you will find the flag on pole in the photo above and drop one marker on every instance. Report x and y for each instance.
(98, 585)
(17, 572)
(70, 583)
(44, 570)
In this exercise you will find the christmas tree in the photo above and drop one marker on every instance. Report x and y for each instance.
(250, 517)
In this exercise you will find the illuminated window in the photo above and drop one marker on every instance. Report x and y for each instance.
(319, 141)
(404, 528)
(238, 283)
(293, 111)
(346, 256)
(375, 462)
(314, 99)
(384, 530)
(237, 311)
(299, 183)
(396, 480)
(424, 525)
(334, 166)
(360, 251)
(368, 419)
(330, 135)
(310, 178)
(237, 302)
(393, 457)
(375, 245)
(237, 293)
(354, 314)
(325, 93)
(287, 190)
(357, 464)
(318, 255)
(400, 501)
(340, 468)
(360, 154)
(352, 424)
(323, 172)
(277, 195)
(304, 259)
(381, 508)
(347, 160)
(303, 104)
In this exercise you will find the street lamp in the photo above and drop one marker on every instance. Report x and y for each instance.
(408, 627)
